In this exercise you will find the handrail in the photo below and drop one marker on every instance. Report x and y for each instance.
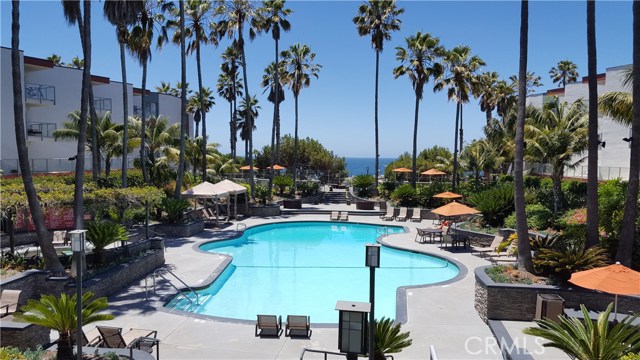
(321, 352)
(383, 230)
(156, 273)
(238, 225)
(148, 340)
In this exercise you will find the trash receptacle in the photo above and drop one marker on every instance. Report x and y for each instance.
(549, 306)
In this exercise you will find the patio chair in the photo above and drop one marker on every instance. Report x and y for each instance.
(334, 216)
(89, 338)
(423, 234)
(389, 215)
(488, 249)
(269, 325)
(344, 216)
(402, 215)
(415, 215)
(113, 337)
(298, 325)
(9, 300)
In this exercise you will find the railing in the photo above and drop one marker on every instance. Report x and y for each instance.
(580, 172)
(144, 343)
(342, 355)
(383, 230)
(40, 93)
(157, 273)
(432, 353)
(42, 130)
(102, 104)
(10, 166)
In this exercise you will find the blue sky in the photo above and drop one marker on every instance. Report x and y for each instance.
(337, 109)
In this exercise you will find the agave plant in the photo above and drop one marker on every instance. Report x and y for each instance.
(388, 339)
(589, 340)
(572, 258)
(103, 233)
(60, 314)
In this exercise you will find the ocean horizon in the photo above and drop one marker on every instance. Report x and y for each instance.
(366, 165)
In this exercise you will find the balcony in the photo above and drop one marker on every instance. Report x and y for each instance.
(38, 94)
(41, 130)
(102, 104)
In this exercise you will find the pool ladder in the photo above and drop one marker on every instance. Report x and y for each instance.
(383, 231)
(241, 227)
(181, 293)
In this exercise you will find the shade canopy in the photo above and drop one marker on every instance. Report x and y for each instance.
(613, 279)
(454, 209)
(277, 167)
(246, 167)
(448, 195)
(230, 187)
(206, 190)
(402, 169)
(433, 172)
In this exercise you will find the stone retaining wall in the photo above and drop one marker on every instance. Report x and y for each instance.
(264, 211)
(23, 335)
(497, 301)
(180, 230)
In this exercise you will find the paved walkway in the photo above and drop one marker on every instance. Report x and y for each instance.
(443, 316)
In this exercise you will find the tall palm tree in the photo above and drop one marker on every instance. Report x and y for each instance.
(525, 261)
(122, 14)
(160, 137)
(229, 67)
(45, 239)
(506, 97)
(556, 133)
(486, 89)
(183, 102)
(501, 135)
(269, 83)
(230, 90)
(378, 19)
(247, 124)
(593, 142)
(419, 61)
(197, 22)
(235, 13)
(459, 78)
(272, 18)
(300, 68)
(164, 88)
(625, 245)
(565, 73)
(194, 107)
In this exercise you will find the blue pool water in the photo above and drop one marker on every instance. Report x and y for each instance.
(305, 267)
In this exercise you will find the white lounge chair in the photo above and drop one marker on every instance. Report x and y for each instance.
(344, 216)
(488, 249)
(389, 215)
(416, 216)
(402, 215)
(334, 216)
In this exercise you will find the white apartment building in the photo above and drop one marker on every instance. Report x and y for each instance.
(50, 93)
(613, 157)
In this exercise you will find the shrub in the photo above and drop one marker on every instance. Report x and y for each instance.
(386, 188)
(103, 233)
(538, 217)
(308, 188)
(364, 184)
(495, 204)
(174, 209)
(531, 182)
(496, 273)
(572, 258)
(574, 193)
(505, 179)
(388, 338)
(282, 181)
(404, 195)
(262, 193)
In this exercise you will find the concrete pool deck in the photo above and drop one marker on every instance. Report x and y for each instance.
(439, 315)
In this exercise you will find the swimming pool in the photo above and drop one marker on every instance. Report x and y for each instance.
(303, 268)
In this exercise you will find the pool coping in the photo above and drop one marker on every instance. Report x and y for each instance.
(401, 291)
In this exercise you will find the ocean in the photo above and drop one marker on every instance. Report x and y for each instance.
(362, 165)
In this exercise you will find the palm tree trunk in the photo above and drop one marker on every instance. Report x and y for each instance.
(278, 139)
(143, 130)
(44, 236)
(488, 115)
(375, 116)
(627, 234)
(295, 147)
(415, 143)
(234, 125)
(248, 102)
(461, 132)
(592, 169)
(524, 248)
(125, 111)
(203, 116)
(231, 131)
(454, 176)
(95, 154)
(183, 104)
(276, 108)
(558, 174)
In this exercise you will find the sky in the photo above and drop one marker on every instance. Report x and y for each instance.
(337, 108)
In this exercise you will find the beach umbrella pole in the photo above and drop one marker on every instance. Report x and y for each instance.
(615, 308)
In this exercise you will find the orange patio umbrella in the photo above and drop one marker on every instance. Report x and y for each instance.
(432, 172)
(614, 279)
(402, 169)
(448, 195)
(277, 167)
(454, 209)
(246, 167)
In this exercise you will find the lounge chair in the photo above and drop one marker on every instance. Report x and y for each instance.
(334, 216)
(423, 234)
(402, 215)
(344, 216)
(269, 325)
(89, 338)
(389, 215)
(60, 237)
(142, 339)
(415, 215)
(298, 325)
(9, 300)
(488, 249)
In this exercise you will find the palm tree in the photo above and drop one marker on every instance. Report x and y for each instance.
(556, 133)
(618, 106)
(55, 59)
(272, 17)
(525, 261)
(625, 245)
(122, 14)
(300, 68)
(193, 154)
(164, 88)
(388, 338)
(76, 63)
(486, 89)
(506, 97)
(45, 238)
(594, 141)
(249, 115)
(229, 67)
(160, 138)
(194, 107)
(234, 14)
(460, 79)
(419, 61)
(230, 90)
(501, 135)
(378, 19)
(565, 73)
(183, 102)
(533, 81)
(60, 314)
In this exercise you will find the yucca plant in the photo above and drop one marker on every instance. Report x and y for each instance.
(572, 258)
(590, 340)
(60, 314)
(174, 208)
(495, 203)
(388, 339)
(102, 234)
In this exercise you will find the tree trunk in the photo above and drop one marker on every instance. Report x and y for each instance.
(558, 174)
(415, 143)
(461, 133)
(125, 111)
(234, 125)
(488, 115)
(203, 116)
(231, 131)
(248, 102)
(376, 121)
(295, 147)
(627, 234)
(65, 347)
(183, 104)
(143, 125)
(454, 176)
(524, 248)
(276, 114)
(44, 236)
(95, 153)
(592, 171)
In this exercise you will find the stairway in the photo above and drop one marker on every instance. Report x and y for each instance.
(334, 197)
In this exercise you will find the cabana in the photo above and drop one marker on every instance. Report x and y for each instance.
(234, 189)
(207, 190)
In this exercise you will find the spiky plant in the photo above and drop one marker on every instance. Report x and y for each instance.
(590, 340)
(388, 339)
(103, 233)
(572, 258)
(174, 208)
(60, 314)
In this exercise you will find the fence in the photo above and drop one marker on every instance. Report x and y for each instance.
(580, 172)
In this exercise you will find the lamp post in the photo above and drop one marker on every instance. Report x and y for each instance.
(372, 260)
(352, 326)
(77, 246)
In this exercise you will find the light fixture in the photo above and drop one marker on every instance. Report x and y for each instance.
(74, 157)
(372, 260)
(78, 238)
(352, 327)
(602, 143)
(372, 255)
(629, 139)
